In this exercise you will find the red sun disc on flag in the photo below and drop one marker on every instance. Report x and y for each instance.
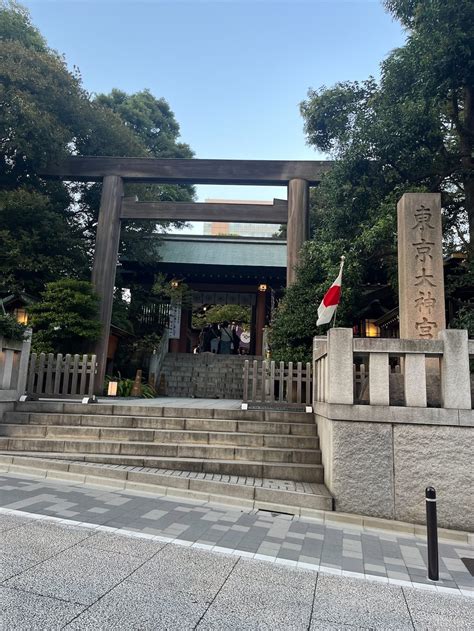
(333, 296)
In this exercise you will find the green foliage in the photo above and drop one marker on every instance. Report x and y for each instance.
(465, 319)
(151, 119)
(66, 319)
(146, 345)
(15, 24)
(10, 329)
(412, 131)
(47, 229)
(121, 314)
(153, 123)
(221, 313)
(163, 290)
(29, 254)
(125, 387)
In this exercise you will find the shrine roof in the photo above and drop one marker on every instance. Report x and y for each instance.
(222, 251)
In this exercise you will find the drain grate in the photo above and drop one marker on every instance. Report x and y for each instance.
(469, 563)
(274, 513)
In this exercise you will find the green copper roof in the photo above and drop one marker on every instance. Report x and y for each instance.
(235, 251)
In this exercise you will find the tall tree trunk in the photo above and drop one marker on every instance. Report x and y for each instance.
(467, 161)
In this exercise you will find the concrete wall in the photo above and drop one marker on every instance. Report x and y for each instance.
(382, 468)
(204, 375)
(6, 406)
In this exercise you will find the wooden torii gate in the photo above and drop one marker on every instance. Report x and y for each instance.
(298, 176)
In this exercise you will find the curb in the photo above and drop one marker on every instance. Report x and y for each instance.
(240, 553)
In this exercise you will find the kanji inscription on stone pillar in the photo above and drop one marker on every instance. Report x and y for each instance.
(420, 266)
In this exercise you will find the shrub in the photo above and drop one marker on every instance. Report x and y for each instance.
(11, 329)
(66, 320)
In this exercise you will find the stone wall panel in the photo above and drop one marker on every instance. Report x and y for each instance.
(434, 456)
(362, 468)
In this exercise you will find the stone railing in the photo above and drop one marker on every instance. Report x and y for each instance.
(157, 358)
(411, 366)
(13, 368)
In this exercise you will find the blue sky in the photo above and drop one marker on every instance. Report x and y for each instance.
(234, 72)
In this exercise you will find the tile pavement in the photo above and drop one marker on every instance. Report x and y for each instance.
(284, 539)
(151, 584)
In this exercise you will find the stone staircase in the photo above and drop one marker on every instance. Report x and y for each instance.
(204, 375)
(218, 446)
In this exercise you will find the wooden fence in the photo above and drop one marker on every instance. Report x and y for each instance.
(277, 382)
(61, 375)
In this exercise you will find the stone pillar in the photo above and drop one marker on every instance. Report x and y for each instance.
(105, 264)
(420, 266)
(415, 367)
(340, 366)
(260, 322)
(298, 224)
(455, 376)
(379, 379)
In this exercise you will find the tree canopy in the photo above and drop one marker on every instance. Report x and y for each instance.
(412, 130)
(66, 320)
(47, 228)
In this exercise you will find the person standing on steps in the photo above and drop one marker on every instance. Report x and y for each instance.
(225, 346)
(214, 337)
(205, 339)
(236, 333)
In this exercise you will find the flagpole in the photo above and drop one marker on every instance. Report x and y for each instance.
(343, 258)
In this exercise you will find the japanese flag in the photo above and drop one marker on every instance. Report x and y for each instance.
(331, 299)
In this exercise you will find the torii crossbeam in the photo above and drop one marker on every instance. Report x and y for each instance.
(297, 175)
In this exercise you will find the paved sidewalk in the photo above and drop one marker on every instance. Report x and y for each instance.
(299, 542)
(56, 576)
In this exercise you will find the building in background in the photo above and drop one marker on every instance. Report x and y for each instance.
(262, 230)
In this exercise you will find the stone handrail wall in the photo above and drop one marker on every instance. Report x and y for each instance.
(320, 371)
(157, 358)
(446, 358)
(14, 358)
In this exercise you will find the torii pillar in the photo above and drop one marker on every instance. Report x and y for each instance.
(298, 225)
(105, 265)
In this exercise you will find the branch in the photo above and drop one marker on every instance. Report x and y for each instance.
(455, 113)
(460, 235)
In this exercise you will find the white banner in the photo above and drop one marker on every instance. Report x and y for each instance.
(175, 320)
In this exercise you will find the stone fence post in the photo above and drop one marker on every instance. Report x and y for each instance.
(23, 365)
(340, 366)
(455, 376)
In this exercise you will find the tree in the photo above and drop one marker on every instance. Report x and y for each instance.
(66, 320)
(222, 313)
(10, 329)
(411, 131)
(29, 255)
(152, 121)
(46, 115)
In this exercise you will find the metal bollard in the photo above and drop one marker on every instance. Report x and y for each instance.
(432, 533)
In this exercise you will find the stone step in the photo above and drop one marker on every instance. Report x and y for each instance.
(282, 495)
(160, 436)
(213, 452)
(160, 423)
(274, 471)
(259, 493)
(155, 411)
